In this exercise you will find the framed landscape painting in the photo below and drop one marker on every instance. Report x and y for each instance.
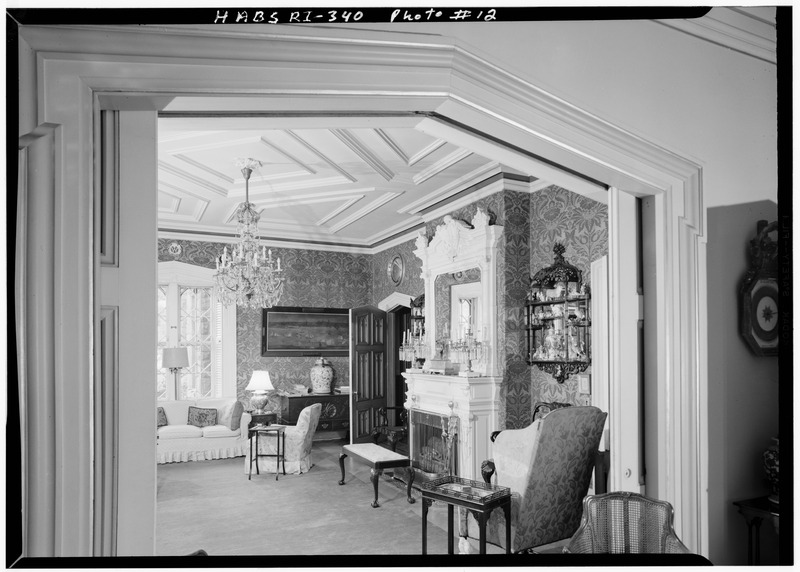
(293, 331)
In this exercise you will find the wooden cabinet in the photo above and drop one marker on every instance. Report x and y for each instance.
(557, 319)
(335, 414)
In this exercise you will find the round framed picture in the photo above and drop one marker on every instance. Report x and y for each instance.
(395, 270)
(760, 324)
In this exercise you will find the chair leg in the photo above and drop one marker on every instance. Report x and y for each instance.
(341, 466)
(375, 475)
(411, 475)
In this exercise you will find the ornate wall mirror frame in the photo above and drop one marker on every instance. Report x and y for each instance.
(457, 246)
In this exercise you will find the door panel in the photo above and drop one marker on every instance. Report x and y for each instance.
(368, 375)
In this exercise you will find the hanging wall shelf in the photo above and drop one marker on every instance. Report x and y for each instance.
(557, 319)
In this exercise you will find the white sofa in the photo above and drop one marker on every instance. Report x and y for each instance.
(179, 441)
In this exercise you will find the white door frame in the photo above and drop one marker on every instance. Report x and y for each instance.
(68, 73)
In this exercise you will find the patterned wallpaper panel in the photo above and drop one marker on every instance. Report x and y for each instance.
(411, 284)
(312, 278)
(532, 224)
(515, 275)
(581, 225)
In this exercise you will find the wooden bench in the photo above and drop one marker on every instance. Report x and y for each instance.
(379, 458)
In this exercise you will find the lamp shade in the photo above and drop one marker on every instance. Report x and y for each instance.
(260, 381)
(175, 357)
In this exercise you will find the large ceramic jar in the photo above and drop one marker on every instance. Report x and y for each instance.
(321, 376)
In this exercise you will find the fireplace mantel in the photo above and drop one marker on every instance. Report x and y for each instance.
(476, 402)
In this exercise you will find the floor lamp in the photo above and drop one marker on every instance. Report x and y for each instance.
(174, 359)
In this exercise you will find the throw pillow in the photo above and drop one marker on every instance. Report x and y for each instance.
(162, 417)
(202, 416)
(236, 416)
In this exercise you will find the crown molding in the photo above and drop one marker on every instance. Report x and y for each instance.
(732, 28)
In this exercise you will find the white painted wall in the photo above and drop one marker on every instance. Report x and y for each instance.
(701, 100)
(743, 390)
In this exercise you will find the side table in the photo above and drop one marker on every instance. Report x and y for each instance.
(257, 419)
(754, 512)
(280, 435)
(477, 497)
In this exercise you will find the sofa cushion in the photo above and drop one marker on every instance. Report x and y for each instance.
(161, 417)
(179, 432)
(216, 431)
(177, 411)
(202, 416)
(230, 415)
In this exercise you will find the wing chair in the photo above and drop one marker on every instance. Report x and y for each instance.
(626, 523)
(297, 452)
(547, 466)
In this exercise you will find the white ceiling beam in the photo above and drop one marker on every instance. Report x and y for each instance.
(441, 165)
(335, 166)
(370, 158)
(509, 156)
(377, 203)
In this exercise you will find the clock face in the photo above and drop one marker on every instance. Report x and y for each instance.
(760, 318)
(765, 313)
(395, 270)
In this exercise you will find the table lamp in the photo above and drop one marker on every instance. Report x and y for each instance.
(174, 359)
(260, 384)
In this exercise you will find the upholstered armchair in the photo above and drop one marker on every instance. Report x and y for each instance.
(297, 452)
(626, 523)
(548, 466)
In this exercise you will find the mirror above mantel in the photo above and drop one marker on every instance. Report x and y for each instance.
(459, 269)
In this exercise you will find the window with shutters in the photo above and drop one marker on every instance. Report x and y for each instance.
(190, 316)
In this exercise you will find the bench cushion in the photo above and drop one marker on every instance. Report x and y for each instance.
(373, 453)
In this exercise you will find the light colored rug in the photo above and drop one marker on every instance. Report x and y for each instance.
(212, 505)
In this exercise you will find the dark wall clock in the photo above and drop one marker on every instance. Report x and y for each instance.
(396, 269)
(760, 323)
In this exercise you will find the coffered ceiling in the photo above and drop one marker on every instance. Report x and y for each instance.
(340, 182)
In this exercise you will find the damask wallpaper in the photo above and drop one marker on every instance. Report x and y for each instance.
(581, 225)
(532, 224)
(515, 275)
(411, 282)
(312, 278)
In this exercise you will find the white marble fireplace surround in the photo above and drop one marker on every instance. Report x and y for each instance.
(458, 246)
(476, 402)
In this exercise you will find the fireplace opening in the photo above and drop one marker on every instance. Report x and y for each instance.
(433, 444)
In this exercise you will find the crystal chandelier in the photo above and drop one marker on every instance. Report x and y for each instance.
(248, 276)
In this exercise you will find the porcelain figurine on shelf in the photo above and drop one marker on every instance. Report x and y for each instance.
(576, 351)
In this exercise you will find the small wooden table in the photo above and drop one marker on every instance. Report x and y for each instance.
(754, 512)
(477, 497)
(379, 458)
(280, 434)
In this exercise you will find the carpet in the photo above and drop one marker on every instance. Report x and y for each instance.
(211, 505)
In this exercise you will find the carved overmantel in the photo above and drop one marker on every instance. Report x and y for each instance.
(459, 246)
(456, 246)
